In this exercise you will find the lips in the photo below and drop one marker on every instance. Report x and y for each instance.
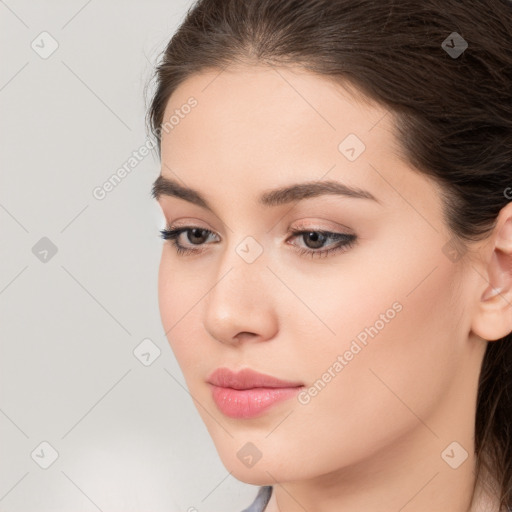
(248, 394)
(247, 379)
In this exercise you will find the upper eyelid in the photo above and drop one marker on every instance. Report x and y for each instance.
(300, 229)
(189, 224)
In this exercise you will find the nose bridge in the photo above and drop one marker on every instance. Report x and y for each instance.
(239, 300)
(241, 272)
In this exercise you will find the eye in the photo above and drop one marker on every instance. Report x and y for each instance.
(315, 240)
(173, 236)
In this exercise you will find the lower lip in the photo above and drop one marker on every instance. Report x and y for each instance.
(249, 403)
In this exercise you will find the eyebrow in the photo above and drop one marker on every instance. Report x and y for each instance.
(164, 186)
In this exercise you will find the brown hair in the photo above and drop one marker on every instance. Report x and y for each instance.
(453, 115)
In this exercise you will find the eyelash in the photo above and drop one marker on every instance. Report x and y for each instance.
(345, 241)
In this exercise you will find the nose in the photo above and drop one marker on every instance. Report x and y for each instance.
(239, 306)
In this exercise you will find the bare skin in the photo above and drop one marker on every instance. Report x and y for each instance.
(375, 436)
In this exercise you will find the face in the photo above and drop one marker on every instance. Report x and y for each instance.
(358, 309)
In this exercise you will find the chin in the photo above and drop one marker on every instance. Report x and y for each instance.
(255, 476)
(262, 472)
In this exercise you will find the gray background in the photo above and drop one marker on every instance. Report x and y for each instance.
(128, 435)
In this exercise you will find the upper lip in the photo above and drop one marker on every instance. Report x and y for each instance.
(247, 379)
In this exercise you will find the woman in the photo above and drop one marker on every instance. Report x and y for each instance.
(336, 283)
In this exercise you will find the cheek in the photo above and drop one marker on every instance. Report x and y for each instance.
(176, 300)
(397, 336)
(166, 291)
(389, 297)
(396, 316)
(181, 293)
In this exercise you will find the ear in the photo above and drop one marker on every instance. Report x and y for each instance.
(493, 316)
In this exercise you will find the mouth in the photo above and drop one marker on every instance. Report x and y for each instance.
(248, 394)
(248, 379)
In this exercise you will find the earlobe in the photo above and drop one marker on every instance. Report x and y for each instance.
(493, 316)
(491, 293)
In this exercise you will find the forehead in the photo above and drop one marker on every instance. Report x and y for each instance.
(268, 100)
(261, 115)
(253, 128)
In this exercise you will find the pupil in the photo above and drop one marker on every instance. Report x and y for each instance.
(318, 239)
(195, 231)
